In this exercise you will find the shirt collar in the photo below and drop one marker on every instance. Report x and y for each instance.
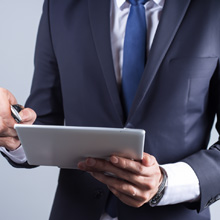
(158, 2)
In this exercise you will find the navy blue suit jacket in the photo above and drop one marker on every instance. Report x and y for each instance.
(177, 99)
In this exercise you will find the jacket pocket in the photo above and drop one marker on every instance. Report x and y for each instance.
(196, 73)
(194, 67)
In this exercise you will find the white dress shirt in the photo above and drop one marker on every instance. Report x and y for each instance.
(183, 184)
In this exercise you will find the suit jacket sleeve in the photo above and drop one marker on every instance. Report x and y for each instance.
(206, 163)
(46, 98)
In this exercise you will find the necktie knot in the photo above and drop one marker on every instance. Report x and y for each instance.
(137, 2)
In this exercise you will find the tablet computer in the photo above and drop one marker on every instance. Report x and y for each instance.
(65, 146)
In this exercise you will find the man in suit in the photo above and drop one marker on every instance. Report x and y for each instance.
(77, 78)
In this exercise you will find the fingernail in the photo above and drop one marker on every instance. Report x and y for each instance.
(114, 159)
(90, 162)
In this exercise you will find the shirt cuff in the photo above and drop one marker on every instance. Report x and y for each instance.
(182, 184)
(18, 156)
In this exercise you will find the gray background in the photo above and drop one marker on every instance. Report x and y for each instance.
(27, 194)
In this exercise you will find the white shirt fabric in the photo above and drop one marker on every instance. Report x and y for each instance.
(183, 184)
(18, 155)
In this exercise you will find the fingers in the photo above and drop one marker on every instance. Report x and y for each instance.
(125, 169)
(98, 165)
(131, 200)
(127, 193)
(106, 169)
(8, 136)
(148, 160)
(6, 99)
(128, 200)
(133, 183)
(136, 167)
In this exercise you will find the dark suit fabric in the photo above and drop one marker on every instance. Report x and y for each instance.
(74, 83)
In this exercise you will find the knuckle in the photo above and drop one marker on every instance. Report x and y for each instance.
(140, 168)
(151, 184)
(138, 179)
(124, 164)
(146, 197)
(133, 190)
(123, 187)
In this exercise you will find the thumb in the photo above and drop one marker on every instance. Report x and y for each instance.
(148, 160)
(28, 116)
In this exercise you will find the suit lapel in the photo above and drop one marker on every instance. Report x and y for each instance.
(172, 15)
(99, 12)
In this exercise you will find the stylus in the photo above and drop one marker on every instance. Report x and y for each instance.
(15, 109)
